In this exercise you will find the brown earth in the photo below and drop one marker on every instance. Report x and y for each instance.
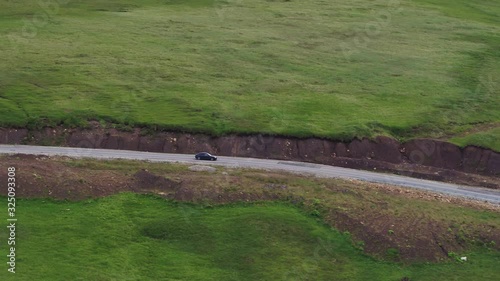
(379, 217)
(421, 158)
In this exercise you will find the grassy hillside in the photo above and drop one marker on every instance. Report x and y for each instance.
(338, 69)
(137, 237)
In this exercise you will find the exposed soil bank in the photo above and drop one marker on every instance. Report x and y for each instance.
(423, 158)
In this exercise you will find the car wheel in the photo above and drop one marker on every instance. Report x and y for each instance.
(197, 158)
(213, 159)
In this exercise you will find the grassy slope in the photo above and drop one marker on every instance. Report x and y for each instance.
(136, 237)
(257, 66)
(488, 139)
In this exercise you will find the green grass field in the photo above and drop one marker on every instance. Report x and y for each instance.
(336, 69)
(138, 237)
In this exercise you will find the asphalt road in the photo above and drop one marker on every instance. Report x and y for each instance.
(476, 193)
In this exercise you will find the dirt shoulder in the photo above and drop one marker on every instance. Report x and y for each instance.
(379, 217)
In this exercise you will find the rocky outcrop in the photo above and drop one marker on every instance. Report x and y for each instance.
(362, 153)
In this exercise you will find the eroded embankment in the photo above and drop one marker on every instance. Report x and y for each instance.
(423, 158)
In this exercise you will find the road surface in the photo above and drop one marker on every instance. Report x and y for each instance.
(475, 193)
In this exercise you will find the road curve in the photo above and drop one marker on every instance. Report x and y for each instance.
(475, 193)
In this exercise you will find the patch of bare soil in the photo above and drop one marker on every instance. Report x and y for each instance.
(367, 211)
(143, 180)
(38, 176)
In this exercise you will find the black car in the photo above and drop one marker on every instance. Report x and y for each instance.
(205, 156)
